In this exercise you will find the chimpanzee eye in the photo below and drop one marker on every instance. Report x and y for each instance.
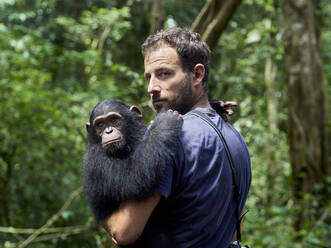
(117, 122)
(99, 125)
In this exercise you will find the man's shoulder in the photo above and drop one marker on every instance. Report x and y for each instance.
(195, 127)
(194, 123)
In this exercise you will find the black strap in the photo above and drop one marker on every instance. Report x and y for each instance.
(233, 169)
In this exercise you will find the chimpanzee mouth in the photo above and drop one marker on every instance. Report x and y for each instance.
(111, 142)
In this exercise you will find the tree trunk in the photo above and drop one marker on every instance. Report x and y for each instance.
(270, 80)
(213, 19)
(270, 73)
(307, 99)
(5, 179)
(158, 15)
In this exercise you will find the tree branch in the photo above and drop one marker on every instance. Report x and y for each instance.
(213, 19)
(47, 230)
(219, 23)
(199, 22)
(42, 229)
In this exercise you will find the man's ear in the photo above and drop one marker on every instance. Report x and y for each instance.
(198, 73)
(137, 111)
(87, 125)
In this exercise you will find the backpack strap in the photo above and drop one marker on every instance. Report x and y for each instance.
(233, 169)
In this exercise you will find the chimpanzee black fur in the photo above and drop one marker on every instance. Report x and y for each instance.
(132, 172)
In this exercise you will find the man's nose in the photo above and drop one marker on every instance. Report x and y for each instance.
(153, 86)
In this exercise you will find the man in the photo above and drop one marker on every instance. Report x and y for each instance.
(197, 186)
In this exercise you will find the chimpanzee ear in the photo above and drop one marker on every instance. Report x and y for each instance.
(137, 111)
(87, 126)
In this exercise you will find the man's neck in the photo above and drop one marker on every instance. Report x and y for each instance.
(202, 102)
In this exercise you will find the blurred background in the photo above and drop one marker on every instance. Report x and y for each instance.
(59, 58)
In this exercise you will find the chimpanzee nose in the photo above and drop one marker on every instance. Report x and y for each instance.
(109, 130)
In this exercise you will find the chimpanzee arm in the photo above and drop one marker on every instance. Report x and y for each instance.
(162, 137)
(153, 153)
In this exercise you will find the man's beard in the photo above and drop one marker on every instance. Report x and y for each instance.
(182, 101)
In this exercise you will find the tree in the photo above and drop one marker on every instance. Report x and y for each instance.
(213, 19)
(59, 58)
(158, 15)
(307, 104)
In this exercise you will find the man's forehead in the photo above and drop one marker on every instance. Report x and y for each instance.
(164, 55)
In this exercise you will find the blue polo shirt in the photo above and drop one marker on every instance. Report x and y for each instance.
(197, 185)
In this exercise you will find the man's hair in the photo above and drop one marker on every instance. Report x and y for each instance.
(190, 49)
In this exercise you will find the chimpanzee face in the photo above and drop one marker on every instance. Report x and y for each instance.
(110, 127)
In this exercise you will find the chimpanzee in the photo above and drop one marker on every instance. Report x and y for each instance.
(124, 160)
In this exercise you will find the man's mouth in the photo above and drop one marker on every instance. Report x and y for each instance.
(159, 101)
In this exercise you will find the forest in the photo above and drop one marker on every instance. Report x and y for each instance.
(59, 58)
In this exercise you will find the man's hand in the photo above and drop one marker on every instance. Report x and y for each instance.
(127, 223)
(223, 108)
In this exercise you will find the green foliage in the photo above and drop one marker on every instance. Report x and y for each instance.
(59, 58)
(47, 89)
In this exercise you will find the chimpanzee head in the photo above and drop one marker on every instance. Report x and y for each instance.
(114, 125)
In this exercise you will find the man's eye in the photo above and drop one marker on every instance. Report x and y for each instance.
(164, 74)
(147, 77)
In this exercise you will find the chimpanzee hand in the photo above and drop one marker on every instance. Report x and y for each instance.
(167, 118)
(223, 108)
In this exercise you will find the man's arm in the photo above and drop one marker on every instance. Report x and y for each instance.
(127, 223)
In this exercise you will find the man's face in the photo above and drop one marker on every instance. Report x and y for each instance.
(168, 85)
